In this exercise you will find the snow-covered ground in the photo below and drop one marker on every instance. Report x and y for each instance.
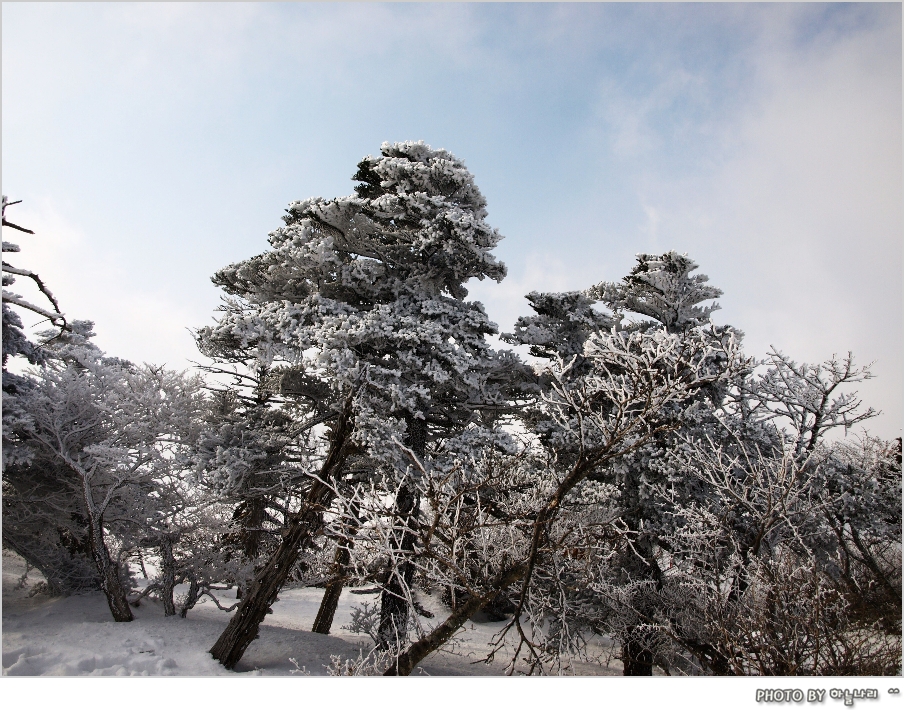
(75, 636)
(64, 636)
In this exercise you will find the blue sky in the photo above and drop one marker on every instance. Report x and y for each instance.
(154, 143)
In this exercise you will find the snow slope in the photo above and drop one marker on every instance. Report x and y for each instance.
(64, 636)
(46, 638)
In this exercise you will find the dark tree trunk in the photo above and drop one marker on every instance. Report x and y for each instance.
(110, 582)
(144, 572)
(639, 564)
(709, 656)
(303, 525)
(394, 610)
(263, 590)
(168, 581)
(330, 601)
(636, 657)
(333, 590)
(394, 600)
(250, 516)
(191, 598)
(419, 650)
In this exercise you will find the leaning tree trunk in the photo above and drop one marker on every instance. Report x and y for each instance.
(394, 610)
(303, 525)
(521, 571)
(407, 661)
(262, 592)
(192, 597)
(110, 582)
(333, 591)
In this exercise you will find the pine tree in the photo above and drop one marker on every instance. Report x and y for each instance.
(251, 453)
(663, 292)
(366, 294)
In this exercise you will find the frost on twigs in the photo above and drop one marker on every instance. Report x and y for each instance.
(363, 299)
(92, 450)
(374, 662)
(14, 340)
(365, 620)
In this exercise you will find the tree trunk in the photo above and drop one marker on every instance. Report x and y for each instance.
(144, 572)
(522, 571)
(709, 656)
(168, 581)
(333, 590)
(636, 657)
(303, 525)
(639, 564)
(262, 592)
(394, 610)
(109, 574)
(191, 598)
(331, 595)
(419, 650)
(249, 514)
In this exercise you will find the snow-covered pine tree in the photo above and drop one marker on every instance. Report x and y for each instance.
(660, 289)
(663, 290)
(252, 450)
(366, 294)
(626, 388)
(605, 393)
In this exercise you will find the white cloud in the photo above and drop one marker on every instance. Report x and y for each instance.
(801, 223)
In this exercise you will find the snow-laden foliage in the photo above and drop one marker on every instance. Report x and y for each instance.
(662, 289)
(363, 298)
(645, 481)
(252, 456)
(561, 324)
(15, 342)
(501, 528)
(377, 279)
(766, 576)
(366, 293)
(674, 330)
(809, 400)
(101, 436)
(735, 555)
(42, 520)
